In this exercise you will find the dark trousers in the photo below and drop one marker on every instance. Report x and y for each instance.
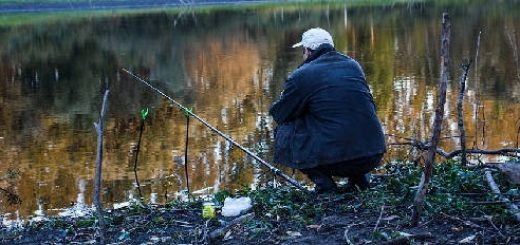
(354, 170)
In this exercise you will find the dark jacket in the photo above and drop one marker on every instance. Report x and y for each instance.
(326, 113)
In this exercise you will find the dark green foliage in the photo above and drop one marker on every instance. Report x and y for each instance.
(453, 190)
(287, 204)
(221, 195)
(90, 221)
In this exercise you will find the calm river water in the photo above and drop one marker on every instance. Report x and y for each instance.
(229, 65)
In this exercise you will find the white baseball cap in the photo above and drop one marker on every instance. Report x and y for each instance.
(313, 38)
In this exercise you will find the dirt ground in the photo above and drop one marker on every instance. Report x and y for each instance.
(340, 219)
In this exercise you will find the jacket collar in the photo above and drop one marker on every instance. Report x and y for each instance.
(322, 49)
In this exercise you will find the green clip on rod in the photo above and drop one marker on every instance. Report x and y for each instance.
(247, 151)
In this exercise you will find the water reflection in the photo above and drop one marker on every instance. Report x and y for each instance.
(229, 65)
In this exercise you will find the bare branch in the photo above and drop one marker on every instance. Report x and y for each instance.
(423, 146)
(436, 128)
(465, 69)
(99, 165)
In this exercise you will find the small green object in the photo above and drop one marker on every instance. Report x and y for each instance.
(187, 111)
(144, 113)
(208, 210)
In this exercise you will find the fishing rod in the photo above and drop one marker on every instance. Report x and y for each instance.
(228, 138)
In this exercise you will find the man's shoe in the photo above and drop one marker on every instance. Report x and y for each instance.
(356, 184)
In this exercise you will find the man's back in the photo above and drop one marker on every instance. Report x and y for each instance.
(327, 112)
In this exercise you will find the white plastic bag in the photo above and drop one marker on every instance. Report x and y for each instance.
(235, 206)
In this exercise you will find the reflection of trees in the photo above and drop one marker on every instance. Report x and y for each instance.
(229, 66)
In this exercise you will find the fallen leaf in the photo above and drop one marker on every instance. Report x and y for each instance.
(457, 229)
(125, 235)
(316, 227)
(390, 218)
(294, 234)
(227, 236)
(404, 234)
(468, 239)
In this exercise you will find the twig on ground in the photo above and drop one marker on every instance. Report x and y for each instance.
(337, 199)
(222, 231)
(465, 222)
(494, 187)
(347, 237)
(205, 235)
(379, 219)
(181, 222)
(489, 203)
(490, 219)
(345, 233)
(425, 223)
(406, 239)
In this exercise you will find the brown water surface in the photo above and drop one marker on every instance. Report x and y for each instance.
(229, 65)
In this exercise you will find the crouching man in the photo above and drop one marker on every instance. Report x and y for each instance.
(327, 121)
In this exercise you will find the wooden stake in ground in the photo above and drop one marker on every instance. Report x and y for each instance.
(465, 70)
(99, 164)
(439, 113)
(144, 115)
(186, 144)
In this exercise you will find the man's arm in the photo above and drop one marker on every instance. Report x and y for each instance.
(290, 105)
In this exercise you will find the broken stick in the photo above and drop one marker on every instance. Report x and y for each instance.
(218, 233)
(494, 187)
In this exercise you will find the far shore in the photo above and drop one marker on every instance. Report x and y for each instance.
(82, 5)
